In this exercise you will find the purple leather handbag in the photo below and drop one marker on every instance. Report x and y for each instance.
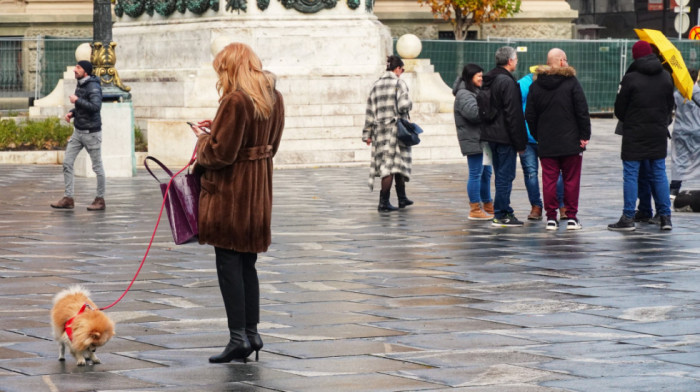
(181, 202)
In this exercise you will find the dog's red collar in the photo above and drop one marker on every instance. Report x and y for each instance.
(68, 328)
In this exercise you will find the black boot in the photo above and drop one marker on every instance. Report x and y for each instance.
(238, 348)
(252, 302)
(229, 269)
(254, 338)
(384, 204)
(400, 185)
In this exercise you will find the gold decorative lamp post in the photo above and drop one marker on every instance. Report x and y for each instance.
(103, 57)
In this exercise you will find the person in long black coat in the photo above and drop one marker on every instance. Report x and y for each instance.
(644, 105)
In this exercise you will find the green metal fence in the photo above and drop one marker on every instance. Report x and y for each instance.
(599, 64)
(31, 66)
(59, 53)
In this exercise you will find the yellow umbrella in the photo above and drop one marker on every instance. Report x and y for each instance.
(672, 57)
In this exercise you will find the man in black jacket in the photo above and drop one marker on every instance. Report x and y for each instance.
(87, 134)
(644, 104)
(506, 134)
(557, 114)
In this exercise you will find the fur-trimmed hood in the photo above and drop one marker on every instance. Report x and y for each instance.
(550, 78)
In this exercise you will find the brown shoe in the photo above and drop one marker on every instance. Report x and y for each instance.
(562, 212)
(65, 202)
(477, 214)
(488, 208)
(535, 213)
(97, 205)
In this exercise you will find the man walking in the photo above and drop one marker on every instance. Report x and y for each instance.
(505, 132)
(557, 114)
(87, 133)
(644, 104)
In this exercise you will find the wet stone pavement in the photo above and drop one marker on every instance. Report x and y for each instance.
(421, 299)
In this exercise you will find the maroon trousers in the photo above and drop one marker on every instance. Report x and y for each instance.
(570, 168)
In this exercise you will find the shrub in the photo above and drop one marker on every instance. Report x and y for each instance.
(140, 143)
(47, 134)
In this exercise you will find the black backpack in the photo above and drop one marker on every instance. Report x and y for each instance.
(488, 110)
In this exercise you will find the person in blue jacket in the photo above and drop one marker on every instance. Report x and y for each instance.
(528, 160)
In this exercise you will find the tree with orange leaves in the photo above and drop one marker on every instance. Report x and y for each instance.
(465, 13)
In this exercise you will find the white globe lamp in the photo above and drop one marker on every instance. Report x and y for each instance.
(408, 46)
(83, 52)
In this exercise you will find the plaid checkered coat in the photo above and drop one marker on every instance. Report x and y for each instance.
(389, 156)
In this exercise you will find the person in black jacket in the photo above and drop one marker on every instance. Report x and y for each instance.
(87, 134)
(506, 134)
(644, 104)
(557, 114)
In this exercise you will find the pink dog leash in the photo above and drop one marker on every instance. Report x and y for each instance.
(143, 261)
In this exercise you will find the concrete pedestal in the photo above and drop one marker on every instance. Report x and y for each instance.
(118, 155)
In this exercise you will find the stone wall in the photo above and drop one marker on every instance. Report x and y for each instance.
(561, 30)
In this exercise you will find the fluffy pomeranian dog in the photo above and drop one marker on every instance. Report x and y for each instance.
(79, 324)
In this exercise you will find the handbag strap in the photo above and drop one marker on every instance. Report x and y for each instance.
(165, 168)
(154, 159)
(396, 102)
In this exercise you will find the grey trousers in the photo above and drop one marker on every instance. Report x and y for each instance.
(92, 142)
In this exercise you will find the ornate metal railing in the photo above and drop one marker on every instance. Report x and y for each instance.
(137, 8)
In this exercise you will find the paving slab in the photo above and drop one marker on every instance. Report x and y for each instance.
(352, 299)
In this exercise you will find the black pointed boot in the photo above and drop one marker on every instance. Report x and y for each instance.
(256, 343)
(384, 204)
(400, 185)
(252, 302)
(229, 270)
(238, 348)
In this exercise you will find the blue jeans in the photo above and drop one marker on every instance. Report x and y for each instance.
(645, 191)
(560, 191)
(92, 142)
(528, 160)
(504, 157)
(479, 183)
(656, 175)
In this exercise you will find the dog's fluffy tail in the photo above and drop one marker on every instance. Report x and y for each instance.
(75, 289)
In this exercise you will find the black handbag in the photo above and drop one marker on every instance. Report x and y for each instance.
(407, 131)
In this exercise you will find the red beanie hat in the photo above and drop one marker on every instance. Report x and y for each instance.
(641, 49)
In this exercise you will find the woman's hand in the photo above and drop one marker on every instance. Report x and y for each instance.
(201, 127)
(196, 129)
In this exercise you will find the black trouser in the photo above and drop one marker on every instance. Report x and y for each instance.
(238, 281)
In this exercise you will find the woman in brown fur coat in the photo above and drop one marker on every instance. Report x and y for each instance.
(235, 204)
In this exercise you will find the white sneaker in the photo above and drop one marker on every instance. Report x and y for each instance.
(573, 224)
(552, 225)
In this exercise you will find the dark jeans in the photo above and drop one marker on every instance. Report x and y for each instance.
(644, 189)
(569, 168)
(504, 157)
(238, 281)
(528, 161)
(656, 176)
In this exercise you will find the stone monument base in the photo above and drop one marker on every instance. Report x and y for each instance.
(118, 155)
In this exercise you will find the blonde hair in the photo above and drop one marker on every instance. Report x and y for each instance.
(240, 69)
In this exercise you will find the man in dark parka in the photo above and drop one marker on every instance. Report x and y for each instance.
(557, 114)
(506, 134)
(644, 105)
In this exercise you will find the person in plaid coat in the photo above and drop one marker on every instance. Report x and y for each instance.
(388, 100)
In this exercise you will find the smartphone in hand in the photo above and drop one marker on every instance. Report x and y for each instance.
(205, 130)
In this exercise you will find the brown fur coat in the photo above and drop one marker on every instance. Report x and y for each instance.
(235, 205)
